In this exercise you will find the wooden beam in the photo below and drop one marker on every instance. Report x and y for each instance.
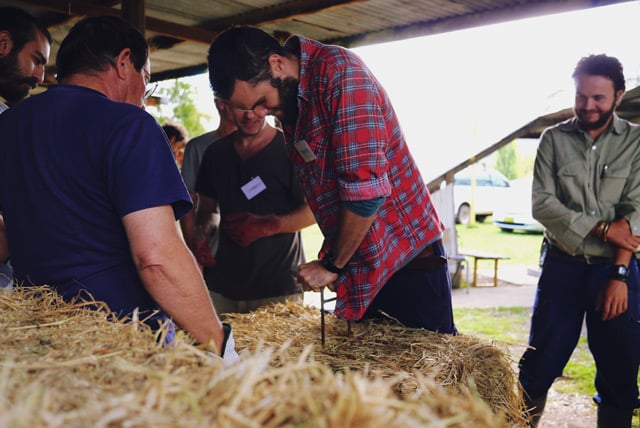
(182, 32)
(179, 72)
(133, 12)
(282, 12)
(205, 32)
(73, 8)
(80, 8)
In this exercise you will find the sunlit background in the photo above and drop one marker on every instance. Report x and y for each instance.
(459, 92)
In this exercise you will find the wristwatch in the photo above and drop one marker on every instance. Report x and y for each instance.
(328, 262)
(619, 273)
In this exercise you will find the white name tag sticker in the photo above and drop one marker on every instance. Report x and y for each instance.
(304, 150)
(254, 187)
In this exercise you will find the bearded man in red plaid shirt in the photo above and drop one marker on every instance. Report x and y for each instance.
(382, 251)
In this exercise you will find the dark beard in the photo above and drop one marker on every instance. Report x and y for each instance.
(588, 126)
(288, 99)
(12, 82)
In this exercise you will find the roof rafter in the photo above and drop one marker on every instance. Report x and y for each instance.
(80, 8)
(204, 32)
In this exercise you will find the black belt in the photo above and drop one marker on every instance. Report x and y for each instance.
(428, 259)
(556, 253)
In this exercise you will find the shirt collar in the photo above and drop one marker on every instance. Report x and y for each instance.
(619, 125)
(305, 49)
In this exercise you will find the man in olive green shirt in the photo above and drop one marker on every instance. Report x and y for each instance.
(586, 192)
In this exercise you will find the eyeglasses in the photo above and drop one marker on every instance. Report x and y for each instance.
(150, 88)
(258, 104)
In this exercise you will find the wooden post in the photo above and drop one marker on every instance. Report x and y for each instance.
(133, 11)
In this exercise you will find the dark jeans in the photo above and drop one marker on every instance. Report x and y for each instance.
(418, 298)
(566, 293)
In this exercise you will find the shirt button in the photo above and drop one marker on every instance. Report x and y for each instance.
(592, 213)
(593, 147)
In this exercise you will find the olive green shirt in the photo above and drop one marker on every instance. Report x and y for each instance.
(579, 181)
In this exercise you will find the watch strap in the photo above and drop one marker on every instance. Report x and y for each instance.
(328, 262)
(619, 273)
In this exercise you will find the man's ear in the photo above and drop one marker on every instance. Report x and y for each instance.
(277, 65)
(6, 43)
(619, 96)
(122, 61)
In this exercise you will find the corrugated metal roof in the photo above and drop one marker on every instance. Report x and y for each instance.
(183, 29)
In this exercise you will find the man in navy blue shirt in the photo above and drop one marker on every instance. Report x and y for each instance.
(91, 192)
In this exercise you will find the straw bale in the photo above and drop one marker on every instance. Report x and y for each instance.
(64, 365)
(384, 348)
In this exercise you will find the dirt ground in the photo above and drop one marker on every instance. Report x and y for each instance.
(568, 411)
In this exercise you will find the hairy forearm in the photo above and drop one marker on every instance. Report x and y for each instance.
(170, 273)
(178, 288)
(353, 229)
(296, 220)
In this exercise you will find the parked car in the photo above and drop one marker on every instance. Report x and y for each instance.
(514, 211)
(490, 188)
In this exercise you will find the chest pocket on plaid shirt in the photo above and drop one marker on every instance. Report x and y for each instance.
(321, 170)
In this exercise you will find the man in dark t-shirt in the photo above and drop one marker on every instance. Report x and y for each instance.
(262, 209)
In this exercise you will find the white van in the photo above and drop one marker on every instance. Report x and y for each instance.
(514, 212)
(491, 187)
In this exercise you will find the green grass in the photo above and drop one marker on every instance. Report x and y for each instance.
(509, 325)
(579, 372)
(522, 248)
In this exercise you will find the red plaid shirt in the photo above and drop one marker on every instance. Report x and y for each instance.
(347, 119)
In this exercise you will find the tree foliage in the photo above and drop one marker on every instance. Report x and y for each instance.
(180, 100)
(506, 161)
(513, 163)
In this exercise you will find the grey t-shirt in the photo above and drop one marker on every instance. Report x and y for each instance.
(193, 152)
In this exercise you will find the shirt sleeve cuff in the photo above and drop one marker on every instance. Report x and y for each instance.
(376, 187)
(575, 235)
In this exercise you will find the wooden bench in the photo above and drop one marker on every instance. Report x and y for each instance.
(482, 255)
(461, 265)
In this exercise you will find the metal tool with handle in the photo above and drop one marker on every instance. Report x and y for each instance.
(322, 313)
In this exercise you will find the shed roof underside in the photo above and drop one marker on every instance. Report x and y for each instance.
(181, 30)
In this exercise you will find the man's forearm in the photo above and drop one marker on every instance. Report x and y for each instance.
(205, 216)
(182, 295)
(353, 229)
(296, 220)
(170, 273)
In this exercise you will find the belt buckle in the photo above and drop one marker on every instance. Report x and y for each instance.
(595, 260)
